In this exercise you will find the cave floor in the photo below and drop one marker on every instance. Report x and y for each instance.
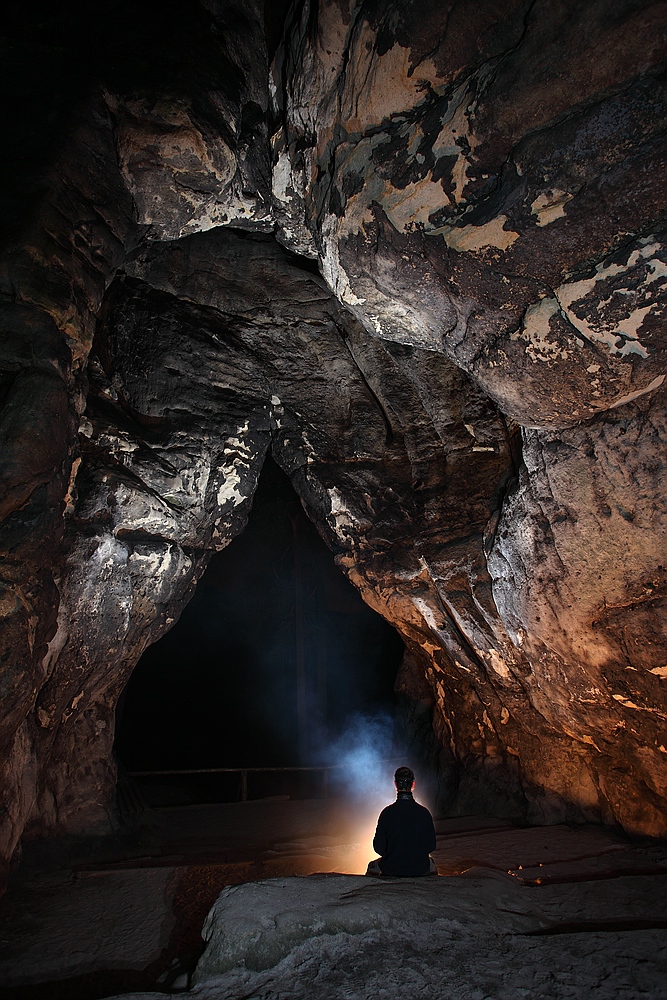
(87, 918)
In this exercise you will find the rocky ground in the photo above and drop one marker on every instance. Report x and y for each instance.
(550, 912)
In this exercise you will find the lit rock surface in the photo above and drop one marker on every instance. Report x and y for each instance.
(470, 400)
(465, 189)
(337, 935)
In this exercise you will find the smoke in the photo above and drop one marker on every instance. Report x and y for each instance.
(364, 758)
(362, 762)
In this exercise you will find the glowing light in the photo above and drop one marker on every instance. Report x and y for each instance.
(365, 775)
(354, 857)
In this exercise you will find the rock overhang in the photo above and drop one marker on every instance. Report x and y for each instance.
(471, 403)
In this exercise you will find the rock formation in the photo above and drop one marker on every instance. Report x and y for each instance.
(337, 934)
(417, 253)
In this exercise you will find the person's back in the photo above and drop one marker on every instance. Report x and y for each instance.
(405, 834)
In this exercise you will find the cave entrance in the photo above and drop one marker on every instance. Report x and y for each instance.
(273, 658)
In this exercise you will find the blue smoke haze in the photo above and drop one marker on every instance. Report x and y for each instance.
(365, 757)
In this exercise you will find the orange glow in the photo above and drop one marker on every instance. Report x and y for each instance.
(357, 830)
(360, 851)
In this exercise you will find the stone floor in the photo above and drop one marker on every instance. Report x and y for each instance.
(85, 919)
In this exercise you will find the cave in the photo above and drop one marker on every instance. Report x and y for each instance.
(407, 262)
(240, 683)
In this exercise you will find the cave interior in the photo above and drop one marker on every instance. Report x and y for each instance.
(332, 394)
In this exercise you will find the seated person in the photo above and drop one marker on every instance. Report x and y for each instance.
(405, 834)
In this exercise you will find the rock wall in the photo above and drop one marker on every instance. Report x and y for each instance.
(421, 258)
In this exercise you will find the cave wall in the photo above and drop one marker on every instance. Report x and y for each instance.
(469, 398)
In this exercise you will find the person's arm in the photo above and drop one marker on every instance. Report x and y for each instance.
(380, 838)
(429, 832)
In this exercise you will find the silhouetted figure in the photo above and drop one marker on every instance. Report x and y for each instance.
(405, 835)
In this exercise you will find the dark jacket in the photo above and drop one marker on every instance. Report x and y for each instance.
(404, 838)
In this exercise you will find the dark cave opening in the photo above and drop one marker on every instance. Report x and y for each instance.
(269, 662)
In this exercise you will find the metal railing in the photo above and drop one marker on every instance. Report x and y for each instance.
(244, 772)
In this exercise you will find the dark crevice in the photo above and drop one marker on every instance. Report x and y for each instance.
(306, 264)
(276, 14)
(599, 927)
(389, 430)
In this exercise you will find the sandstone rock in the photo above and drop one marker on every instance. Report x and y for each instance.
(470, 936)
(460, 201)
(192, 162)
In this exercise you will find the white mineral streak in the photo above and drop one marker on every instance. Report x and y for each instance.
(307, 450)
(194, 475)
(594, 326)
(184, 489)
(229, 491)
(288, 189)
(57, 643)
(492, 235)
(282, 178)
(135, 509)
(117, 443)
(236, 446)
(378, 87)
(497, 663)
(152, 562)
(628, 703)
(550, 205)
(542, 345)
(659, 671)
(332, 270)
(157, 573)
(106, 584)
(340, 517)
(109, 554)
(655, 384)
(427, 613)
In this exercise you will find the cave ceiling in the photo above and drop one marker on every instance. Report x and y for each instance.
(415, 252)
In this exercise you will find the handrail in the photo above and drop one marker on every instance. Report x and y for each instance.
(232, 770)
(245, 771)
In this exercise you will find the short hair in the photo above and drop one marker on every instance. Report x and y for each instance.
(404, 778)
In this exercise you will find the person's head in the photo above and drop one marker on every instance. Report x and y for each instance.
(404, 779)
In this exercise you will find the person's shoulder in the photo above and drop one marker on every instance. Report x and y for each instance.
(423, 809)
